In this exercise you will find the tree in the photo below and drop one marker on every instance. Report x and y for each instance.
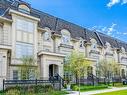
(108, 69)
(77, 65)
(29, 69)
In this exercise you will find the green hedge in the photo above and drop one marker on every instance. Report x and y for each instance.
(87, 88)
(32, 90)
(22, 90)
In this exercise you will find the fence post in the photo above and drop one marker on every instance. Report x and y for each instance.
(3, 84)
(60, 84)
(36, 81)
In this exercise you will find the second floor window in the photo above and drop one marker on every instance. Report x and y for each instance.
(23, 49)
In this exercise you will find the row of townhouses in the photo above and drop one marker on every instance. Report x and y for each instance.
(27, 31)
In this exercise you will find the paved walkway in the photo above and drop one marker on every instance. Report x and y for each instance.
(98, 91)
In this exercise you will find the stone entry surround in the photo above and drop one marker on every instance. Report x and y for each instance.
(50, 59)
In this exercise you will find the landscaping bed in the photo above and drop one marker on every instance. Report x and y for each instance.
(88, 87)
(32, 90)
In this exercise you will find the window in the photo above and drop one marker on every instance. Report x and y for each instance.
(1, 64)
(26, 26)
(94, 43)
(23, 50)
(31, 74)
(81, 44)
(123, 49)
(1, 34)
(65, 36)
(15, 75)
(94, 46)
(47, 36)
(23, 8)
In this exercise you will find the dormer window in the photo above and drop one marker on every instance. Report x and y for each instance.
(24, 8)
(94, 46)
(123, 49)
(94, 43)
(65, 36)
(108, 46)
(81, 44)
(47, 35)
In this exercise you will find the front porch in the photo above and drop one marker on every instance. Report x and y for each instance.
(50, 64)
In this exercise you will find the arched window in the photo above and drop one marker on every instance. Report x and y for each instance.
(65, 36)
(123, 49)
(24, 8)
(81, 44)
(47, 35)
(94, 43)
(108, 46)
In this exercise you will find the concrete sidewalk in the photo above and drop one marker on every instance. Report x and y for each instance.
(97, 91)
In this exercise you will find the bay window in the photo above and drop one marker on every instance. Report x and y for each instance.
(23, 49)
(26, 26)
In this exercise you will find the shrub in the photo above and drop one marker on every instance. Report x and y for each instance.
(13, 92)
(32, 88)
(86, 88)
(42, 88)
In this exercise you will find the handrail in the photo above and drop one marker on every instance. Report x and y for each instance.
(61, 79)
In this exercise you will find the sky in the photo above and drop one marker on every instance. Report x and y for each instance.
(106, 16)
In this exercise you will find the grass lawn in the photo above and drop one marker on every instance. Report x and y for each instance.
(121, 92)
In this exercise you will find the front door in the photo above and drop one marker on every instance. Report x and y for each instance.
(89, 70)
(123, 73)
(50, 70)
(53, 70)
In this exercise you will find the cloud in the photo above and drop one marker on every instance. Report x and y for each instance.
(124, 2)
(109, 30)
(125, 33)
(113, 2)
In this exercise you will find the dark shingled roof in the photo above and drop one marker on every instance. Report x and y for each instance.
(75, 31)
(108, 39)
(122, 44)
(90, 35)
(57, 24)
